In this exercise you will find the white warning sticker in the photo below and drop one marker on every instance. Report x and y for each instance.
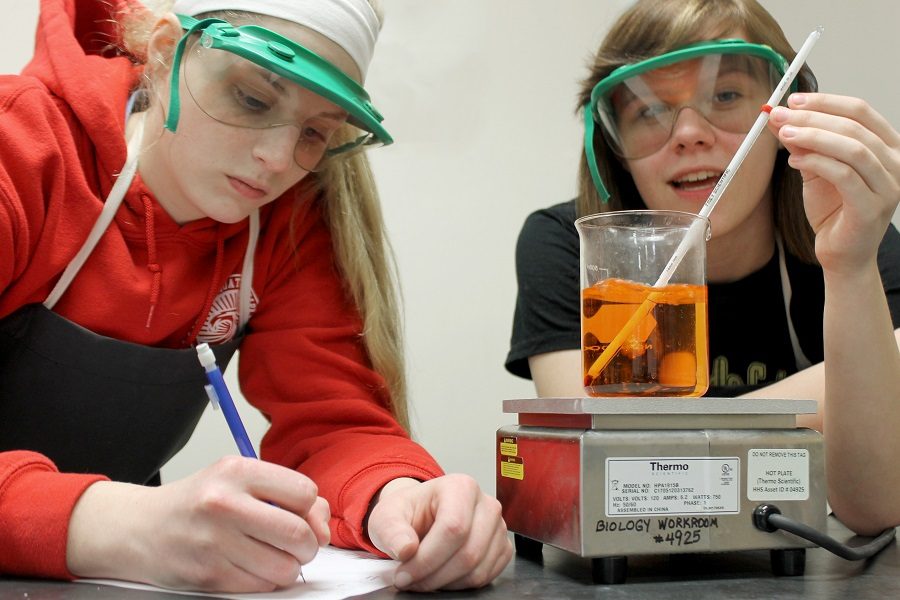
(778, 474)
(672, 486)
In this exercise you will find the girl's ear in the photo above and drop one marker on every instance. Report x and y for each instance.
(161, 46)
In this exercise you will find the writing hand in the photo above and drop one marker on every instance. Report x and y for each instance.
(240, 525)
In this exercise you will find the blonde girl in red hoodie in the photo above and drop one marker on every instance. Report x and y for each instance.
(202, 183)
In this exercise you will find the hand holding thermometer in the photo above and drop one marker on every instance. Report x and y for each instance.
(220, 396)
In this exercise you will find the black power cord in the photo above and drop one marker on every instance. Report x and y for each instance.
(767, 517)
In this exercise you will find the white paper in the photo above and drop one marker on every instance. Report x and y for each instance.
(333, 574)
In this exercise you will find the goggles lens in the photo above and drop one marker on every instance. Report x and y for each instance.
(639, 113)
(238, 92)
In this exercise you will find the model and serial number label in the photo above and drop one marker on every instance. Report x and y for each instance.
(672, 486)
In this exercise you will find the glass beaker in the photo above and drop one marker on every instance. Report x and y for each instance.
(644, 326)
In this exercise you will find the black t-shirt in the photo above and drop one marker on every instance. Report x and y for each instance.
(749, 340)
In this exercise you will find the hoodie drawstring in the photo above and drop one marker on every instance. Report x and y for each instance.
(152, 266)
(213, 288)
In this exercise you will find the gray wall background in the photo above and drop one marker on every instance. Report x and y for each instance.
(479, 95)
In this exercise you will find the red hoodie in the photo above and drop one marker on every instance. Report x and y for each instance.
(303, 363)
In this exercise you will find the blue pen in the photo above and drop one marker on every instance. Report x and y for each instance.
(219, 395)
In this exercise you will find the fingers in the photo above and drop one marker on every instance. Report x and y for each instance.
(450, 529)
(236, 564)
(236, 581)
(217, 578)
(846, 141)
(860, 166)
(466, 544)
(273, 483)
(278, 506)
(502, 551)
(851, 118)
(853, 109)
(789, 121)
(318, 517)
(855, 139)
(285, 489)
(390, 524)
(393, 534)
(849, 158)
(483, 556)
(277, 528)
(266, 520)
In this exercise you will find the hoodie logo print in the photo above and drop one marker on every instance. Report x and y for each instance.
(222, 323)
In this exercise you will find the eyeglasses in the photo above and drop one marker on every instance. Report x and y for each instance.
(254, 78)
(727, 82)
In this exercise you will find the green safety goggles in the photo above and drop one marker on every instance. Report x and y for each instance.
(637, 105)
(252, 77)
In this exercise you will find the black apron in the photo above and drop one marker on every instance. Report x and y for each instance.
(94, 404)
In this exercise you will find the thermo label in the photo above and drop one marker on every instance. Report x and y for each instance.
(778, 474)
(672, 486)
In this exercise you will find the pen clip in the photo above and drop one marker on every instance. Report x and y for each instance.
(213, 396)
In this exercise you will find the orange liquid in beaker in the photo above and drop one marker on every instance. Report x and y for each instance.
(665, 354)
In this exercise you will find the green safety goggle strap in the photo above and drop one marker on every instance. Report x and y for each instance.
(191, 26)
(591, 156)
(592, 115)
(287, 59)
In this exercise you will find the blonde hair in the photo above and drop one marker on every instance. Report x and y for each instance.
(352, 211)
(653, 27)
